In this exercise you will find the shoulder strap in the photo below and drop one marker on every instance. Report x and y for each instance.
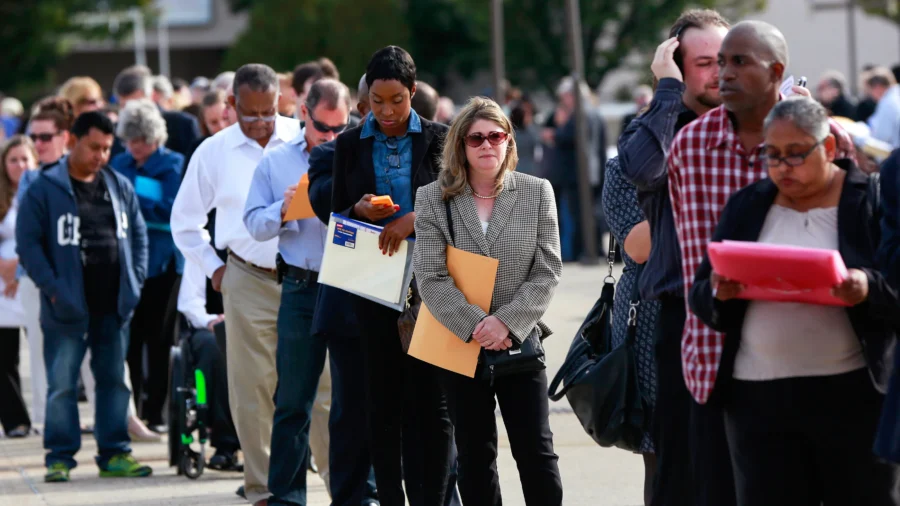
(873, 191)
(450, 221)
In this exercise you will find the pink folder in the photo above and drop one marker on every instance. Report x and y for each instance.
(780, 273)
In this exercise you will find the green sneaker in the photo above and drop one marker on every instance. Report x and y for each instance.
(124, 466)
(57, 473)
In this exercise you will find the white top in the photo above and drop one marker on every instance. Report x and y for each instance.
(192, 296)
(484, 225)
(12, 314)
(787, 339)
(219, 177)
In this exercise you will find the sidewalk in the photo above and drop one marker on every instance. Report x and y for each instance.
(592, 476)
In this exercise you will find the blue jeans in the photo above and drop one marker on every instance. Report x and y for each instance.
(299, 363)
(63, 354)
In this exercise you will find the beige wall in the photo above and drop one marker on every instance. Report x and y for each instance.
(818, 40)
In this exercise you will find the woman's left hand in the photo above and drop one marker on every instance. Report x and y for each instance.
(395, 232)
(492, 334)
(854, 289)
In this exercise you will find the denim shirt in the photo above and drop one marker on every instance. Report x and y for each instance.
(392, 159)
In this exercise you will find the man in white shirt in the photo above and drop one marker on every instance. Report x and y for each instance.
(885, 122)
(218, 177)
(208, 358)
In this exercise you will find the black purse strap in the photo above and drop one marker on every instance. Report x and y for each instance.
(633, 304)
(450, 222)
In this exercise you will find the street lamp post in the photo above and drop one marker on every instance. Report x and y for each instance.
(497, 55)
(585, 193)
(850, 7)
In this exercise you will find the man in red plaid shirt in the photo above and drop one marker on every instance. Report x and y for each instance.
(710, 159)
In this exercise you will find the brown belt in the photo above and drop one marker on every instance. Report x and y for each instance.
(265, 270)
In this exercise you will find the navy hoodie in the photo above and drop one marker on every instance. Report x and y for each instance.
(49, 249)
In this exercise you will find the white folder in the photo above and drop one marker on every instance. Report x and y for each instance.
(354, 263)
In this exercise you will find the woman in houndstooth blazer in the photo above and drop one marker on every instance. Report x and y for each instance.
(512, 217)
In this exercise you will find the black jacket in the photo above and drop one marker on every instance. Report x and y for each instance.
(183, 131)
(889, 252)
(873, 321)
(354, 172)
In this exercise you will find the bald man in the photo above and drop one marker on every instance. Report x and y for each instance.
(425, 101)
(709, 160)
(362, 97)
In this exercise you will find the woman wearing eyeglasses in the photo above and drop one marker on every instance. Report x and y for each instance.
(499, 213)
(805, 395)
(394, 152)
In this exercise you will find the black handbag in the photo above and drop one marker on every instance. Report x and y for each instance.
(601, 382)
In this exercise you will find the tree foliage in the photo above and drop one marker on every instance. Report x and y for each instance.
(34, 36)
(889, 9)
(454, 36)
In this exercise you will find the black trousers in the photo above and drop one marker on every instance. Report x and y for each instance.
(13, 412)
(671, 418)
(211, 361)
(152, 326)
(710, 457)
(402, 392)
(808, 442)
(526, 414)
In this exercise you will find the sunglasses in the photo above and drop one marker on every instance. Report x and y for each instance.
(477, 139)
(322, 127)
(43, 137)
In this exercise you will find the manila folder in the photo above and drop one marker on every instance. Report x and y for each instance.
(300, 208)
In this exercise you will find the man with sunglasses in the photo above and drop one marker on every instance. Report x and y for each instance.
(301, 243)
(218, 176)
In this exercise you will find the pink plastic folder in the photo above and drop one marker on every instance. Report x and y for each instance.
(780, 273)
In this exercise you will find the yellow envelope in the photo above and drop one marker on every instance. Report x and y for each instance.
(300, 208)
(475, 276)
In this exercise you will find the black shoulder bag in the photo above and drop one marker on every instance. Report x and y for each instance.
(601, 382)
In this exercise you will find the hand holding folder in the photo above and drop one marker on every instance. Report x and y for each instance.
(475, 276)
(300, 208)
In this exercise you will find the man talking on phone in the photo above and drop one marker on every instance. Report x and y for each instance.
(688, 86)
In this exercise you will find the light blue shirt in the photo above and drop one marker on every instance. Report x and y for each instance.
(885, 121)
(392, 160)
(300, 242)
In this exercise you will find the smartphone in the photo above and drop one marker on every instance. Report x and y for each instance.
(802, 82)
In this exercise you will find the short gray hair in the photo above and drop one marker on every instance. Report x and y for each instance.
(224, 81)
(163, 86)
(132, 79)
(141, 119)
(329, 92)
(257, 77)
(805, 113)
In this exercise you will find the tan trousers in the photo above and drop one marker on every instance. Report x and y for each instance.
(251, 301)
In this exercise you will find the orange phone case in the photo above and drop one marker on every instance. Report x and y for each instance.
(383, 200)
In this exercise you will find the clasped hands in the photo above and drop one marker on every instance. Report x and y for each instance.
(492, 334)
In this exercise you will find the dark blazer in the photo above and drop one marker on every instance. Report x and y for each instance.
(873, 321)
(354, 172)
(330, 301)
(183, 131)
(889, 252)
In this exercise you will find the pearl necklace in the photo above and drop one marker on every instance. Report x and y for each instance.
(484, 197)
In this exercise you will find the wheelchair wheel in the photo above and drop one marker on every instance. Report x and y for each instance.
(177, 415)
(191, 464)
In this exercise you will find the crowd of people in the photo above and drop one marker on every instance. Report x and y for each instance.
(125, 229)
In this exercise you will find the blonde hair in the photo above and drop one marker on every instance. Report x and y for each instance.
(77, 88)
(454, 174)
(7, 187)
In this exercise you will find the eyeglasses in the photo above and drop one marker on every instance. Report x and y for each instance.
(257, 117)
(477, 139)
(322, 127)
(45, 137)
(791, 160)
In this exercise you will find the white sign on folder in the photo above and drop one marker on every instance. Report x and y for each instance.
(353, 262)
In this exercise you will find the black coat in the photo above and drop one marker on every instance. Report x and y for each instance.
(354, 172)
(183, 131)
(873, 321)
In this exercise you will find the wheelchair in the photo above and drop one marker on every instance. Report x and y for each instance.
(189, 414)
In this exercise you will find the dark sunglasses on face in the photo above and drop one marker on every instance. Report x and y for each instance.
(45, 137)
(477, 139)
(322, 127)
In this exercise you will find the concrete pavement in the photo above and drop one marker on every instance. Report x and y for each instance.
(592, 476)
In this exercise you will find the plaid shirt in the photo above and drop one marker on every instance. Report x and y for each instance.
(706, 164)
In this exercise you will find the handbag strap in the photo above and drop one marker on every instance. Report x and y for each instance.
(450, 221)
(611, 260)
(633, 305)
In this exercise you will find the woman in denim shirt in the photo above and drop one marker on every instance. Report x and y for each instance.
(156, 174)
(394, 152)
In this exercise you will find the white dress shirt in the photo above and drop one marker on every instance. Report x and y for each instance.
(219, 177)
(192, 296)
